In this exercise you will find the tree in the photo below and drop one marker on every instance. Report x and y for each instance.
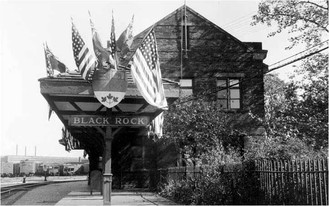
(310, 107)
(296, 125)
(199, 127)
(306, 21)
(299, 109)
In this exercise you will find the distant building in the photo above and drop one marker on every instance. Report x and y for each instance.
(28, 166)
(43, 159)
(7, 168)
(19, 164)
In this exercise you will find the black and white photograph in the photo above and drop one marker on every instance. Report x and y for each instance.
(164, 102)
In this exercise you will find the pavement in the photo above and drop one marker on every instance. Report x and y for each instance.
(118, 197)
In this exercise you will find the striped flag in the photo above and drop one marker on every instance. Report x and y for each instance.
(157, 125)
(52, 63)
(113, 45)
(84, 58)
(105, 58)
(145, 69)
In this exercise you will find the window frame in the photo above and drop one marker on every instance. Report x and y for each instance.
(227, 97)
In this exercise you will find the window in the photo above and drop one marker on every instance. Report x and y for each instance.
(186, 37)
(228, 96)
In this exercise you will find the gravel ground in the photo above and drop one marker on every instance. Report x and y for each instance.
(50, 194)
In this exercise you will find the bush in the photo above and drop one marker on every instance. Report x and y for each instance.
(224, 180)
(281, 147)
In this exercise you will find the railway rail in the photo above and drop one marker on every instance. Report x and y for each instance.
(7, 191)
(20, 187)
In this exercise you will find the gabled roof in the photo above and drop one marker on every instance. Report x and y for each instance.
(139, 37)
(142, 34)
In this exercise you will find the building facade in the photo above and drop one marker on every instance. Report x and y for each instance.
(208, 62)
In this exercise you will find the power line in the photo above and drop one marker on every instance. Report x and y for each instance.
(241, 19)
(300, 58)
(319, 44)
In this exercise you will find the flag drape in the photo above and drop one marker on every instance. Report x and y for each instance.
(104, 57)
(113, 45)
(145, 69)
(126, 39)
(52, 63)
(157, 125)
(84, 58)
(50, 111)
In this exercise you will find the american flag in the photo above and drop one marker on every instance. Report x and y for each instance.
(113, 45)
(157, 125)
(84, 58)
(48, 54)
(145, 69)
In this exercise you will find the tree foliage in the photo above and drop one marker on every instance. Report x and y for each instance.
(297, 111)
(200, 126)
(296, 124)
(310, 107)
(306, 21)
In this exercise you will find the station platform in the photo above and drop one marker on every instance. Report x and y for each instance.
(118, 197)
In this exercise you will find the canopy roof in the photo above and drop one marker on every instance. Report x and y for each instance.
(71, 95)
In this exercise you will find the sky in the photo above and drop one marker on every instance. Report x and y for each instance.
(26, 25)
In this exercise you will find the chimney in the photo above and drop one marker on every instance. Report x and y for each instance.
(35, 151)
(16, 149)
(25, 150)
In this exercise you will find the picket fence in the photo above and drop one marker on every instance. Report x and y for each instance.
(294, 182)
(279, 181)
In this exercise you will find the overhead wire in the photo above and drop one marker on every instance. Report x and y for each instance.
(319, 44)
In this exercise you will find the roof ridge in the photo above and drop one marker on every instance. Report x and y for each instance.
(197, 14)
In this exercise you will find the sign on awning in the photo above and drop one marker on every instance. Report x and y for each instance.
(96, 120)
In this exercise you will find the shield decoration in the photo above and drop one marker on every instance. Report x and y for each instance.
(109, 86)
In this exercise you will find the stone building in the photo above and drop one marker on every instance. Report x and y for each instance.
(203, 57)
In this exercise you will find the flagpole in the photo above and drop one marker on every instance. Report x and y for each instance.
(185, 28)
(181, 46)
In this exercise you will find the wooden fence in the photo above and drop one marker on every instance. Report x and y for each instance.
(293, 182)
(278, 181)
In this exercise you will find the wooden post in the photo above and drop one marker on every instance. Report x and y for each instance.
(107, 176)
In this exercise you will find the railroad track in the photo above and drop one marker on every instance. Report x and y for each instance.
(6, 191)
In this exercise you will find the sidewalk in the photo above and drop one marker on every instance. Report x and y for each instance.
(118, 197)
